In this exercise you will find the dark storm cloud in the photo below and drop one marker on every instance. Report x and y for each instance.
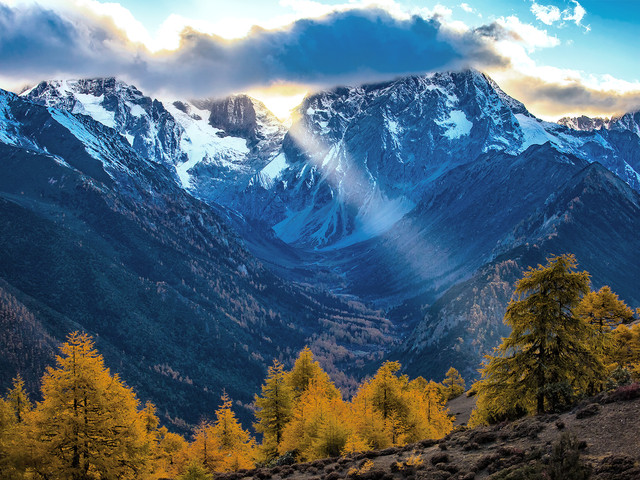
(351, 46)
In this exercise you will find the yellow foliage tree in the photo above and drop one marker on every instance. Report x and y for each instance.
(203, 450)
(305, 370)
(172, 456)
(603, 310)
(390, 410)
(453, 384)
(367, 421)
(19, 400)
(88, 424)
(235, 444)
(318, 426)
(427, 416)
(273, 409)
(8, 437)
(626, 351)
(547, 358)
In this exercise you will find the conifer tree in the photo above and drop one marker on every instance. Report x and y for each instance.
(390, 410)
(172, 454)
(18, 399)
(453, 384)
(306, 369)
(319, 426)
(204, 449)
(273, 409)
(234, 443)
(546, 358)
(88, 424)
(626, 350)
(368, 422)
(603, 310)
(8, 428)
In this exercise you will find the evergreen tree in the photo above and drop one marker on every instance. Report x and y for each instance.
(604, 310)
(88, 424)
(306, 369)
(273, 409)
(546, 358)
(18, 399)
(453, 384)
(234, 443)
(319, 425)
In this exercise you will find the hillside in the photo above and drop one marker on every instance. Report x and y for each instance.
(198, 240)
(604, 426)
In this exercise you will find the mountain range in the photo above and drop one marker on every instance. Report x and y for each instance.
(200, 239)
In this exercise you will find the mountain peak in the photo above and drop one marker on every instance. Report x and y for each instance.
(242, 116)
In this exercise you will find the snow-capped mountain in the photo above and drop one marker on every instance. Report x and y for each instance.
(585, 123)
(227, 142)
(213, 147)
(428, 194)
(628, 122)
(99, 238)
(357, 160)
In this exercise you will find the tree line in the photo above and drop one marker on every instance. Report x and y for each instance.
(566, 341)
(90, 424)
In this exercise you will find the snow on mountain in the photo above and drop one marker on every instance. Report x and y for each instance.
(380, 148)
(144, 122)
(202, 143)
(210, 158)
(228, 141)
(627, 122)
(584, 123)
(356, 159)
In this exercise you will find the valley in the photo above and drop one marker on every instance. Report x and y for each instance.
(197, 240)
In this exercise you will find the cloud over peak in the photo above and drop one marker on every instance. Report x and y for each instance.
(344, 46)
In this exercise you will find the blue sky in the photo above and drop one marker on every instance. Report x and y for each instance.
(560, 57)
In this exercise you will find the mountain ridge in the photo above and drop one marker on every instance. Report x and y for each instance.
(402, 210)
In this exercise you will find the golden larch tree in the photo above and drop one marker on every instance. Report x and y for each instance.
(88, 424)
(273, 409)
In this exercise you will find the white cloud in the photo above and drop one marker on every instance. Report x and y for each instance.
(466, 8)
(547, 14)
(526, 34)
(576, 16)
(550, 14)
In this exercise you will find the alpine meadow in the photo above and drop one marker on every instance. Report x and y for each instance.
(319, 240)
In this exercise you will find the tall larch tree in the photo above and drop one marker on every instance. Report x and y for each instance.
(236, 446)
(8, 437)
(19, 400)
(547, 357)
(453, 384)
(626, 351)
(88, 424)
(319, 423)
(305, 369)
(368, 423)
(604, 310)
(203, 450)
(427, 417)
(273, 409)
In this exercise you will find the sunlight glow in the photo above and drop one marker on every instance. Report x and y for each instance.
(281, 99)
